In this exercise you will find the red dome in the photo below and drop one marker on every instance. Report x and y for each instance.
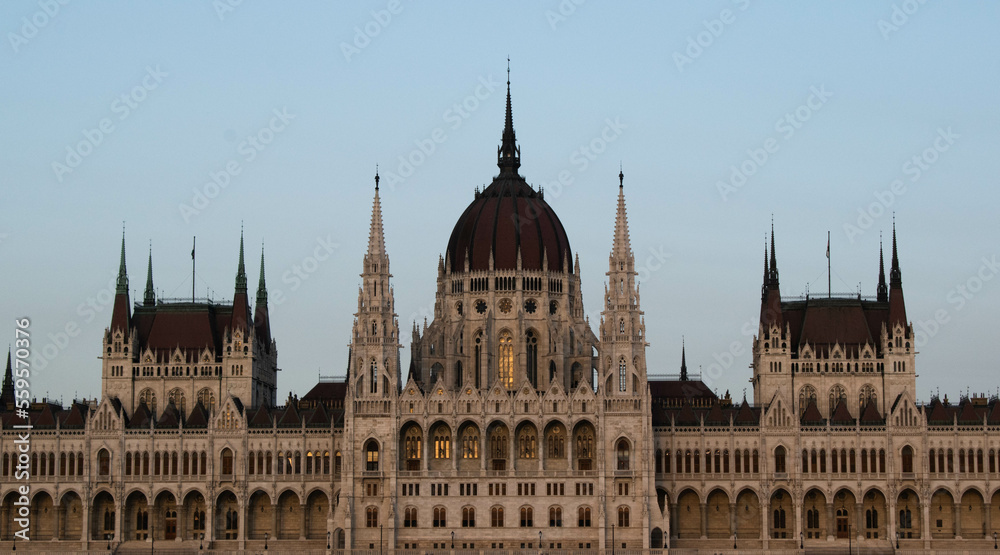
(506, 216)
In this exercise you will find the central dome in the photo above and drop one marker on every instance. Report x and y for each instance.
(506, 217)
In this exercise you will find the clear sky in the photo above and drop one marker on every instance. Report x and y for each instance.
(828, 116)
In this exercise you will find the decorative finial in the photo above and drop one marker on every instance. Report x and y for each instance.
(508, 71)
(621, 176)
(376, 176)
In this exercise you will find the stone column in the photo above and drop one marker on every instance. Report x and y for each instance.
(119, 520)
(210, 518)
(673, 520)
(181, 518)
(957, 511)
(86, 506)
(242, 523)
(59, 517)
(274, 521)
(859, 511)
(987, 518)
(704, 520)
(831, 523)
(799, 532)
(765, 533)
(925, 523)
(302, 524)
(732, 519)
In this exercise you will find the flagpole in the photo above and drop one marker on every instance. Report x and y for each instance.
(829, 290)
(194, 241)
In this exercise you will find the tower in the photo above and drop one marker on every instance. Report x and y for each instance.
(623, 328)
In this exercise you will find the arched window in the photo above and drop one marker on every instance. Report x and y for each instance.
(659, 461)
(373, 376)
(496, 517)
(410, 517)
(371, 517)
(623, 517)
(371, 456)
(555, 517)
(207, 399)
(806, 395)
(532, 355)
(837, 393)
(623, 454)
(177, 398)
(227, 462)
(103, 463)
(527, 517)
(865, 396)
(583, 517)
(412, 448)
(505, 360)
(622, 374)
(470, 443)
(527, 443)
(149, 398)
(468, 517)
(442, 443)
(779, 459)
(585, 447)
(440, 517)
(555, 443)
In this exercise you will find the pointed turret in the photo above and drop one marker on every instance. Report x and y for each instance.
(376, 235)
(508, 154)
(7, 393)
(241, 303)
(897, 308)
(883, 291)
(149, 297)
(121, 313)
(684, 366)
(763, 287)
(770, 308)
(261, 318)
(622, 247)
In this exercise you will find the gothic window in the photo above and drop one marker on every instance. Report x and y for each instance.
(410, 517)
(496, 517)
(867, 395)
(440, 517)
(468, 517)
(442, 443)
(412, 445)
(527, 442)
(622, 372)
(227, 461)
(371, 456)
(470, 443)
(806, 394)
(555, 517)
(373, 377)
(147, 396)
(623, 454)
(527, 517)
(177, 398)
(371, 517)
(583, 517)
(505, 362)
(779, 460)
(837, 393)
(498, 448)
(908, 459)
(104, 463)
(623, 517)
(585, 447)
(458, 375)
(207, 399)
(532, 349)
(478, 358)
(555, 442)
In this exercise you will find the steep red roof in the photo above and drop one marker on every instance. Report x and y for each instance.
(811, 416)
(746, 416)
(198, 417)
(841, 414)
(969, 415)
(686, 416)
(871, 415)
(994, 417)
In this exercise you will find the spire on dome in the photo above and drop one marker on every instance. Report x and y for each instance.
(241, 271)
(622, 247)
(149, 296)
(508, 154)
(122, 288)
(376, 236)
(684, 367)
(883, 293)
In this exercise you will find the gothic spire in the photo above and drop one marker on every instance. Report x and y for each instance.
(241, 271)
(684, 366)
(895, 277)
(883, 293)
(261, 285)
(7, 393)
(149, 297)
(763, 287)
(772, 276)
(122, 288)
(508, 154)
(622, 247)
(376, 236)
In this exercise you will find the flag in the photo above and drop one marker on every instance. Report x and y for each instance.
(827, 246)
(193, 244)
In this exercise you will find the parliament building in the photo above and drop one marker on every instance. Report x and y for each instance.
(516, 426)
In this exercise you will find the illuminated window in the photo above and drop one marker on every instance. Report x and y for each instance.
(506, 360)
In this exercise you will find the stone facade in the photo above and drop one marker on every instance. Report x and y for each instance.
(516, 426)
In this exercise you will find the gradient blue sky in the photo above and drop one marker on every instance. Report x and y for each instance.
(895, 90)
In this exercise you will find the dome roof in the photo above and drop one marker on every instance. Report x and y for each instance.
(506, 217)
